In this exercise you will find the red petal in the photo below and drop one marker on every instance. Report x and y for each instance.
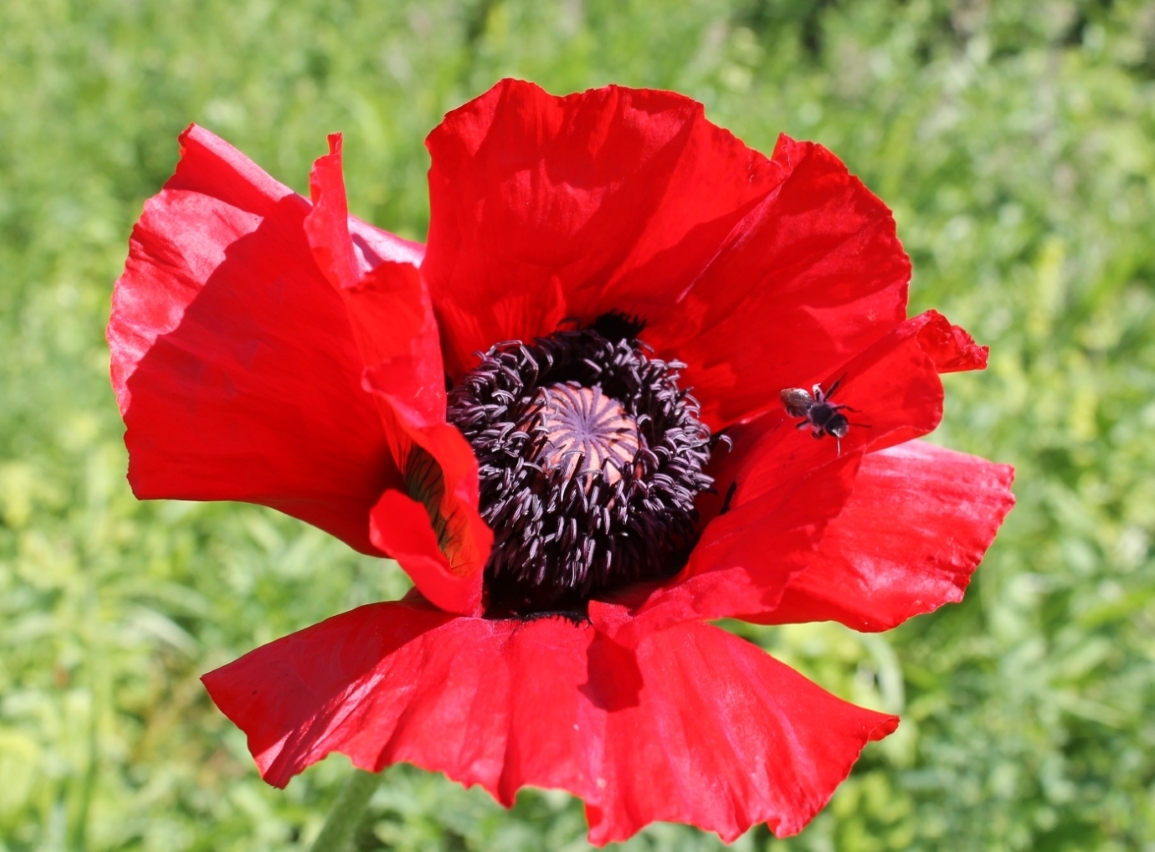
(538, 202)
(212, 167)
(327, 225)
(694, 726)
(746, 558)
(951, 348)
(629, 200)
(397, 336)
(388, 305)
(917, 526)
(232, 357)
(400, 526)
(723, 737)
(787, 486)
(441, 473)
(808, 278)
(895, 393)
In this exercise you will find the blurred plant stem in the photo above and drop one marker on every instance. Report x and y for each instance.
(347, 812)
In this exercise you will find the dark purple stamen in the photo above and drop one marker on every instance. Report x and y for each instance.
(590, 459)
(615, 326)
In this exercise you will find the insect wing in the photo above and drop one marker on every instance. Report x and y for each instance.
(797, 402)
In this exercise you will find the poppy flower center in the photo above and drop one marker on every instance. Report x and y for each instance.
(583, 433)
(590, 458)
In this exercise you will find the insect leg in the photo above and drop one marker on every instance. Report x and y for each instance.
(729, 496)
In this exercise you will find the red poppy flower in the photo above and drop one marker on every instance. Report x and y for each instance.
(570, 516)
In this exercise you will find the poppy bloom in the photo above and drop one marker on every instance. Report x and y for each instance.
(507, 412)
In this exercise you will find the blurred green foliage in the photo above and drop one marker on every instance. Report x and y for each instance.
(1014, 141)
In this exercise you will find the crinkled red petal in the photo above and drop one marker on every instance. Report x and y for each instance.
(232, 356)
(396, 333)
(951, 347)
(919, 521)
(745, 559)
(440, 471)
(894, 393)
(810, 277)
(691, 725)
(753, 271)
(537, 203)
(400, 526)
(784, 487)
(723, 737)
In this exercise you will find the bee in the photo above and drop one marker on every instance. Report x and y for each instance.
(818, 412)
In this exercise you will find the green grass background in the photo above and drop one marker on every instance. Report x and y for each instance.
(1014, 141)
